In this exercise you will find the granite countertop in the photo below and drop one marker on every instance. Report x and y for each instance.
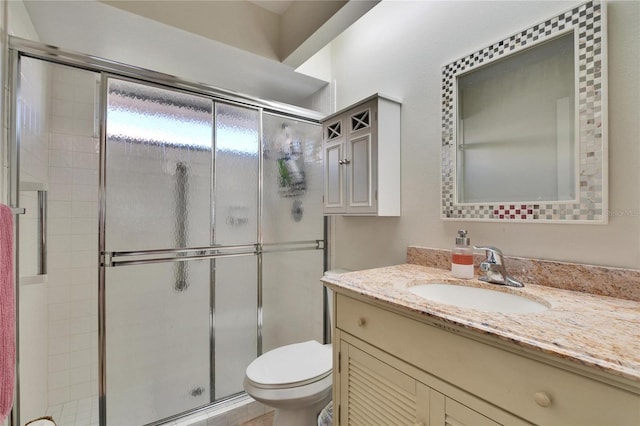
(596, 331)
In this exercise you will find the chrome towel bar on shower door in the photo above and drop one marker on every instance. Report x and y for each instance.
(111, 259)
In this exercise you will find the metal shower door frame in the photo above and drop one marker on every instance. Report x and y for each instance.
(19, 48)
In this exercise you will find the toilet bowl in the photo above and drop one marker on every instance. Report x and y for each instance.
(294, 379)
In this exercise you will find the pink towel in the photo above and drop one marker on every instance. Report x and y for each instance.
(7, 313)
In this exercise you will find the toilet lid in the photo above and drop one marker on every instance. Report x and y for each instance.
(291, 364)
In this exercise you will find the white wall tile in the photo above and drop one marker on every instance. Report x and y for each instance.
(59, 208)
(59, 191)
(86, 177)
(84, 242)
(80, 292)
(60, 142)
(83, 276)
(58, 294)
(60, 175)
(60, 158)
(78, 342)
(79, 309)
(63, 90)
(86, 144)
(59, 345)
(85, 160)
(59, 226)
(62, 125)
(84, 259)
(57, 396)
(80, 390)
(59, 362)
(81, 357)
(62, 108)
(87, 225)
(84, 192)
(58, 311)
(59, 259)
(84, 209)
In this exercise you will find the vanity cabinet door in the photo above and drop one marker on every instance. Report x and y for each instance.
(375, 393)
(380, 392)
(334, 176)
(457, 414)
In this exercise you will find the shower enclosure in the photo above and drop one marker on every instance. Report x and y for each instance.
(171, 234)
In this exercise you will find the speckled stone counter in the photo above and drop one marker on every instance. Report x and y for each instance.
(595, 331)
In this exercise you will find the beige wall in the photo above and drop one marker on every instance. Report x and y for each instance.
(398, 49)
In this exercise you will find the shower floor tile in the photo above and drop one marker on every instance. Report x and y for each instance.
(82, 412)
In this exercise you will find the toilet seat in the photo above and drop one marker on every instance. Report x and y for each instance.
(289, 366)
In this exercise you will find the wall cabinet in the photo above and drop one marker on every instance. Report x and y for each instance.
(393, 369)
(362, 159)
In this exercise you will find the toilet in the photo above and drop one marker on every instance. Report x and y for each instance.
(294, 379)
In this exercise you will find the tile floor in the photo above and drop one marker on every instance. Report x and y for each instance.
(75, 413)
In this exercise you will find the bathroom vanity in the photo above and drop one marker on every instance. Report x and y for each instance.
(401, 359)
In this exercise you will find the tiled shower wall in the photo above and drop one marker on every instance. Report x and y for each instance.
(73, 237)
(32, 107)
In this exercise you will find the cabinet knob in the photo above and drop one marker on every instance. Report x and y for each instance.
(542, 399)
(341, 162)
(361, 322)
(346, 161)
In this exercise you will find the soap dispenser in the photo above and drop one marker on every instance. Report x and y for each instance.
(462, 257)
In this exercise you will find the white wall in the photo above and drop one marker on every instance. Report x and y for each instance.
(398, 49)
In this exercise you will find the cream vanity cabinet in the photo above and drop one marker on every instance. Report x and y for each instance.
(392, 369)
(362, 159)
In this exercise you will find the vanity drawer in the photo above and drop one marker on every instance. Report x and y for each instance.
(533, 390)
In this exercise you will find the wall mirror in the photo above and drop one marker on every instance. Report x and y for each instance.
(524, 125)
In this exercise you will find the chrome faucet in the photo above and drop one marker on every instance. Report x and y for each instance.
(493, 267)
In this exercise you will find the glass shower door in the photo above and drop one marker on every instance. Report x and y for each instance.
(293, 232)
(181, 229)
(158, 176)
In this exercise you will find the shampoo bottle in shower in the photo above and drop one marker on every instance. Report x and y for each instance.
(462, 257)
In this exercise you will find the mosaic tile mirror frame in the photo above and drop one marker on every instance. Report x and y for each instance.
(589, 204)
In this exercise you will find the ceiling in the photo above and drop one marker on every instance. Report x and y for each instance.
(275, 6)
(251, 47)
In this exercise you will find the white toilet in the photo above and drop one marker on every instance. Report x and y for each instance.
(294, 379)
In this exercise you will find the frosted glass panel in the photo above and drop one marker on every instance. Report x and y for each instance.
(236, 175)
(158, 342)
(292, 298)
(293, 181)
(159, 147)
(516, 127)
(236, 337)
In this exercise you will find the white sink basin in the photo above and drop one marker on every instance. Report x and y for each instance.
(477, 298)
